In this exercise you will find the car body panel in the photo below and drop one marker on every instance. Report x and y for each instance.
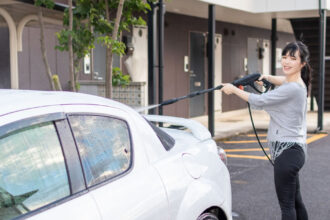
(180, 183)
(82, 207)
(29, 113)
(173, 169)
(193, 164)
(142, 201)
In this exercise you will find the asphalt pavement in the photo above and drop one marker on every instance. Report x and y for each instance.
(253, 192)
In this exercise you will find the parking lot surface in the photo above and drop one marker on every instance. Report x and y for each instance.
(254, 196)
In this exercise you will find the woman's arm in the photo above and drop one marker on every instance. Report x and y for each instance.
(229, 88)
(265, 100)
(276, 80)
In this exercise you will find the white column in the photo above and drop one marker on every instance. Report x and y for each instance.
(13, 48)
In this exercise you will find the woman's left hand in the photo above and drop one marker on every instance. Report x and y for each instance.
(228, 88)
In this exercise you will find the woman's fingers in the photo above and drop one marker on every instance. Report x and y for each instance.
(263, 77)
(227, 88)
(259, 81)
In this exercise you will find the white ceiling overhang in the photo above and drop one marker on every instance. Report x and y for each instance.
(255, 13)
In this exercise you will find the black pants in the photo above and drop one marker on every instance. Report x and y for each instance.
(286, 169)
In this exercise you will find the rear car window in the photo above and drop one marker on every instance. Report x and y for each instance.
(32, 169)
(167, 141)
(104, 146)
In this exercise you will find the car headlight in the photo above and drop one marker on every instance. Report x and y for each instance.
(222, 155)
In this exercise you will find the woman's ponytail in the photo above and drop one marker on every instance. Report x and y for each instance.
(306, 75)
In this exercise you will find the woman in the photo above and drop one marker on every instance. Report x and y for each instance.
(287, 107)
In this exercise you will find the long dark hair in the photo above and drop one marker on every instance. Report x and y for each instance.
(306, 71)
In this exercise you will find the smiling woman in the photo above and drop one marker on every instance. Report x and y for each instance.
(287, 106)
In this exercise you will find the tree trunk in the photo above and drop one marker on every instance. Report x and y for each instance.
(71, 67)
(77, 66)
(43, 50)
(91, 56)
(108, 74)
(109, 54)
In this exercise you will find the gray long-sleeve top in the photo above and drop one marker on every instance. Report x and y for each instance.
(287, 107)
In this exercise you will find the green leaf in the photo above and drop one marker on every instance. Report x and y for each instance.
(46, 3)
(118, 78)
(92, 13)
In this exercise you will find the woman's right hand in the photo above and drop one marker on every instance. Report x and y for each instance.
(228, 88)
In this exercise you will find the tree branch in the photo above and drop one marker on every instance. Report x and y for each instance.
(43, 49)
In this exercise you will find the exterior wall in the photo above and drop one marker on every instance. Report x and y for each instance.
(176, 82)
(32, 73)
(4, 58)
(234, 50)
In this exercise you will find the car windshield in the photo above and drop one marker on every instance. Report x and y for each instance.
(167, 141)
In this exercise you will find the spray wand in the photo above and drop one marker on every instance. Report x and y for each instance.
(244, 81)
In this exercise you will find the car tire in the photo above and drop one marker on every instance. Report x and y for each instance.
(207, 216)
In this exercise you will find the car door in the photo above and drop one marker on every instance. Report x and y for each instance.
(34, 178)
(116, 169)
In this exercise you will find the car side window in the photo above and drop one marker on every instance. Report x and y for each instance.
(32, 169)
(104, 146)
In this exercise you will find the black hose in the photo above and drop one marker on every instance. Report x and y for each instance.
(255, 132)
(193, 94)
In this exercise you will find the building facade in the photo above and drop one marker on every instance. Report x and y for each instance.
(242, 46)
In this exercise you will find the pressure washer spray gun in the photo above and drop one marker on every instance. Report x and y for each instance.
(249, 81)
(244, 81)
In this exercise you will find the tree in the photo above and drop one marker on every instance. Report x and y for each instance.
(96, 15)
(76, 38)
(109, 54)
(53, 78)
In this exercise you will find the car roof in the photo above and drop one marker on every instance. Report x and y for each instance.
(15, 100)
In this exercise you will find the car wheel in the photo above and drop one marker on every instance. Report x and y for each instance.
(207, 216)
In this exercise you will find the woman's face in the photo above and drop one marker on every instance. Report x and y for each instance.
(291, 64)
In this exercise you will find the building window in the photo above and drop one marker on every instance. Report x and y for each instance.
(104, 146)
(32, 169)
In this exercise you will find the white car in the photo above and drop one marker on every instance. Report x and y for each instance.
(75, 156)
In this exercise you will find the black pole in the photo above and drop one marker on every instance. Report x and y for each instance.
(210, 51)
(323, 23)
(273, 39)
(160, 53)
(151, 58)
